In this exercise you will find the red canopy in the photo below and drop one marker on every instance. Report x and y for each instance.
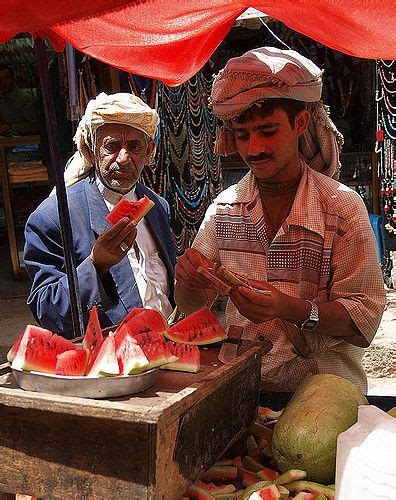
(172, 40)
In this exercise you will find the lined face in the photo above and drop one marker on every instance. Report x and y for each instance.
(121, 152)
(269, 145)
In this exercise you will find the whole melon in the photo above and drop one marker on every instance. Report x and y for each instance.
(305, 436)
(392, 412)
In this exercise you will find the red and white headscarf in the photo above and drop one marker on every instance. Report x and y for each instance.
(266, 73)
(121, 108)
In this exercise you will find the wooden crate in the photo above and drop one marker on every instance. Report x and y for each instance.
(147, 446)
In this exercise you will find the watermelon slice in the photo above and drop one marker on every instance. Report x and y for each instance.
(199, 328)
(135, 210)
(72, 363)
(93, 338)
(38, 350)
(189, 358)
(156, 349)
(14, 349)
(129, 353)
(261, 491)
(106, 362)
(220, 473)
(142, 320)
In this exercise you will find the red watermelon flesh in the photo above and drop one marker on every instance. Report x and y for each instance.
(39, 349)
(72, 363)
(93, 338)
(199, 328)
(269, 492)
(135, 210)
(106, 362)
(142, 320)
(189, 358)
(129, 353)
(156, 349)
(14, 349)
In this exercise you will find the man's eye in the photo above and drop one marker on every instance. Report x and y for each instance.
(268, 132)
(241, 137)
(135, 147)
(112, 147)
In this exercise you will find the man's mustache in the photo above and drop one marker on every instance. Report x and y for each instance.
(115, 167)
(259, 157)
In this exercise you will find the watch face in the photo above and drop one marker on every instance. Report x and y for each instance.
(309, 324)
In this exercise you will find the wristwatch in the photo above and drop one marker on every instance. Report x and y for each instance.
(312, 321)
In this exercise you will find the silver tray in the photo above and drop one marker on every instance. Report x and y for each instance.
(85, 387)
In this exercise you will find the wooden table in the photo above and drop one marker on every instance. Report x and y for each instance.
(148, 446)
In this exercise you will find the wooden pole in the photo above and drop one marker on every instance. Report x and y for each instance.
(58, 171)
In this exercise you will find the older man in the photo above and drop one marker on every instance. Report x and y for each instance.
(118, 267)
(294, 232)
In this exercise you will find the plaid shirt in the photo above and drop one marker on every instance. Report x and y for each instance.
(324, 251)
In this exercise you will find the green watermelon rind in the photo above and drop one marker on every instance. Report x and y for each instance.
(305, 436)
(181, 367)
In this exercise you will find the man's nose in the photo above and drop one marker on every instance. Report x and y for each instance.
(256, 145)
(123, 157)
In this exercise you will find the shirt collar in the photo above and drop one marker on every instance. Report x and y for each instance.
(111, 196)
(306, 209)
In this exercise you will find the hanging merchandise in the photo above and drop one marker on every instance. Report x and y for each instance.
(186, 171)
(385, 147)
(145, 88)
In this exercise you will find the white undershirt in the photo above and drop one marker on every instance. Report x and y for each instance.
(150, 272)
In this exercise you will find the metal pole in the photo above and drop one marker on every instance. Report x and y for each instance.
(58, 170)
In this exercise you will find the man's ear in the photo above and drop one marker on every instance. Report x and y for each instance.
(301, 121)
(149, 150)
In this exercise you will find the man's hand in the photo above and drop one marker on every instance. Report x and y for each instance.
(107, 250)
(255, 306)
(186, 270)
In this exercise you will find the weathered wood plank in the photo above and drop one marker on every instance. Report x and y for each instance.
(57, 456)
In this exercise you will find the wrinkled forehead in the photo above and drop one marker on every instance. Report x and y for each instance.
(116, 131)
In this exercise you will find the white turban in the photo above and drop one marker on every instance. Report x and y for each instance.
(121, 108)
(267, 73)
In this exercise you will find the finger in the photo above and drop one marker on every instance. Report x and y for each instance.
(128, 231)
(114, 230)
(130, 238)
(254, 297)
(260, 285)
(197, 258)
(252, 315)
(182, 275)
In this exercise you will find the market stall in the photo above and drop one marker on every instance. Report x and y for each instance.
(140, 447)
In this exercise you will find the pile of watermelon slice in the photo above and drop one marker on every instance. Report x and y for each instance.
(142, 341)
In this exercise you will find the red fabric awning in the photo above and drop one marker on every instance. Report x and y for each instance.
(171, 41)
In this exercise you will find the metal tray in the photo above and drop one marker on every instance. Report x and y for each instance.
(85, 387)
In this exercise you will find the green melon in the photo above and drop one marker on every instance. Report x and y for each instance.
(305, 436)
(392, 412)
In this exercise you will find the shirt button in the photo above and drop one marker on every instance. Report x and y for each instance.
(99, 307)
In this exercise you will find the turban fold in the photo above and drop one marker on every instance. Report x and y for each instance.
(122, 109)
(268, 73)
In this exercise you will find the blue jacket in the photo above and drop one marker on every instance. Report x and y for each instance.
(43, 255)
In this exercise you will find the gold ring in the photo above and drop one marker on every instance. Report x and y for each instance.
(124, 247)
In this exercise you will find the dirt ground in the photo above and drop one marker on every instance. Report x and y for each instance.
(379, 360)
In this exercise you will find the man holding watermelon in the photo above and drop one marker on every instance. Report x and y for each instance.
(120, 264)
(295, 246)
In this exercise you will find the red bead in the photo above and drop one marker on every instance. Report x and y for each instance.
(380, 135)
